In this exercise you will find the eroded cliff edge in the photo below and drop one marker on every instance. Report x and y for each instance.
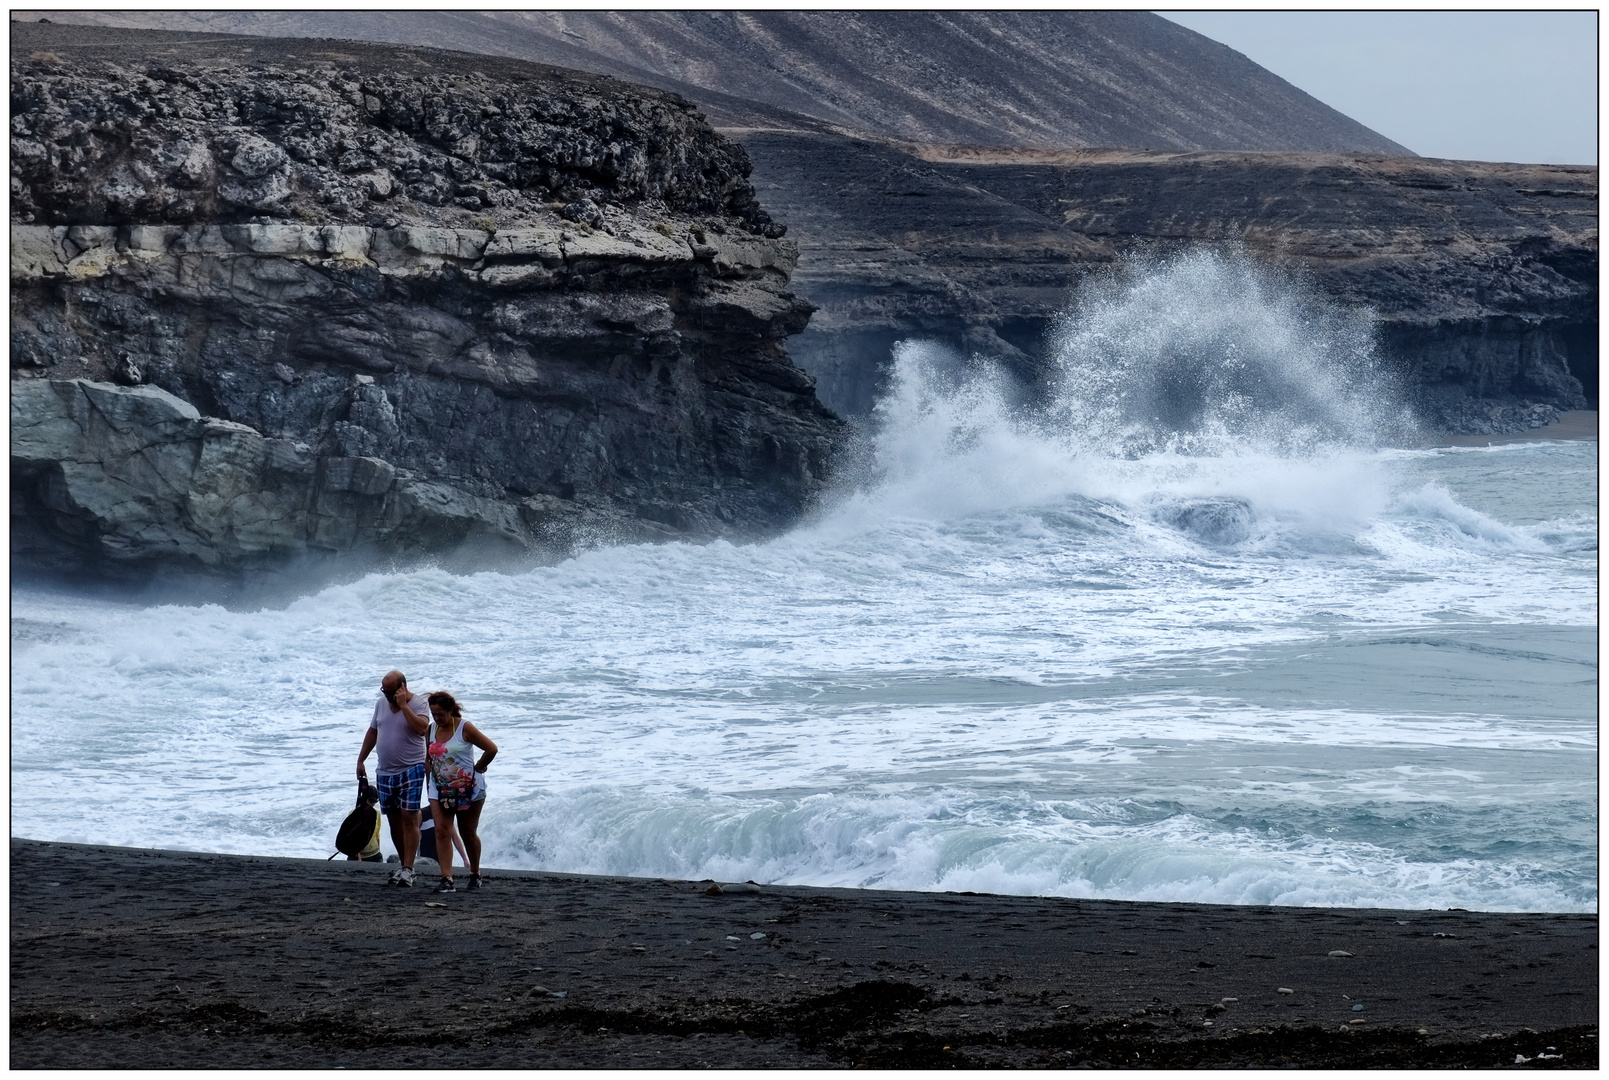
(282, 300)
(1483, 276)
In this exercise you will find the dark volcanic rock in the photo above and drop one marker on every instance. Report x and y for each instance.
(1057, 79)
(368, 301)
(145, 128)
(1483, 276)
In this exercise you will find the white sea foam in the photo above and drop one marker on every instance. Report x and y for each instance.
(1230, 650)
(953, 840)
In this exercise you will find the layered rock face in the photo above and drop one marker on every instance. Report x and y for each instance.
(1484, 277)
(275, 301)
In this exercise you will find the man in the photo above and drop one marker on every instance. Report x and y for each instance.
(399, 727)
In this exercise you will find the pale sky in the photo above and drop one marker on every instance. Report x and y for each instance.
(1477, 85)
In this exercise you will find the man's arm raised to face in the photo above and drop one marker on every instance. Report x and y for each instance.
(413, 711)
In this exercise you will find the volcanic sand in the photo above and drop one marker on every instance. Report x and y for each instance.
(1578, 426)
(129, 957)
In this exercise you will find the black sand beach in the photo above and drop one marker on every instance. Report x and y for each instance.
(138, 958)
(1578, 426)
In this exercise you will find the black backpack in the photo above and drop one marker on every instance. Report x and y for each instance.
(358, 828)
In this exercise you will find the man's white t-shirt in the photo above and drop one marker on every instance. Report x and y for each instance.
(400, 749)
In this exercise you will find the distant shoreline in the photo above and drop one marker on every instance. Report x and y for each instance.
(184, 959)
(1577, 426)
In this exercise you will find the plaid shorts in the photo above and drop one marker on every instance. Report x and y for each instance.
(401, 791)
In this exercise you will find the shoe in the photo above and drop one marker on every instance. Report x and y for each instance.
(447, 885)
(474, 882)
(405, 877)
(391, 878)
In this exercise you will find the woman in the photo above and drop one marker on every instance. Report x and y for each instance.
(456, 785)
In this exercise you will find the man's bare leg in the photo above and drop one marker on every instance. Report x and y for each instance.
(409, 845)
(392, 822)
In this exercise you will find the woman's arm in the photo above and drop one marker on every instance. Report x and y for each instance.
(474, 738)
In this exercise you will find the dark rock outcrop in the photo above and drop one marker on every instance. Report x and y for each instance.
(1484, 277)
(275, 301)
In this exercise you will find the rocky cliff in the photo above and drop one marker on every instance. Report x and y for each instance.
(1483, 277)
(286, 300)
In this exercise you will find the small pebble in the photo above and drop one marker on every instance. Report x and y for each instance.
(1357, 1021)
(1286, 990)
(1339, 952)
(1357, 1008)
(1228, 999)
(756, 936)
(733, 937)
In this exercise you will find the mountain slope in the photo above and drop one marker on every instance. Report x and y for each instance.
(1044, 79)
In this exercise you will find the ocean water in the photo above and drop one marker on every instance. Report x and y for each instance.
(1201, 626)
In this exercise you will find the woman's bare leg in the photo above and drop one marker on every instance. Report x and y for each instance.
(444, 831)
(471, 819)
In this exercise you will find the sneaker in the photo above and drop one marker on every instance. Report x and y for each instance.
(474, 882)
(447, 885)
(391, 878)
(405, 877)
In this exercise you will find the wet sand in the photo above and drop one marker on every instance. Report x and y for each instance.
(1580, 426)
(129, 957)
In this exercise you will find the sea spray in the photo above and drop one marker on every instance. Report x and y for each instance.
(1204, 393)
(1207, 354)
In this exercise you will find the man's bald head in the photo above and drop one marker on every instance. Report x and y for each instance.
(393, 681)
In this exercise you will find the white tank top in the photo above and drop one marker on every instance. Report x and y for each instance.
(452, 763)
